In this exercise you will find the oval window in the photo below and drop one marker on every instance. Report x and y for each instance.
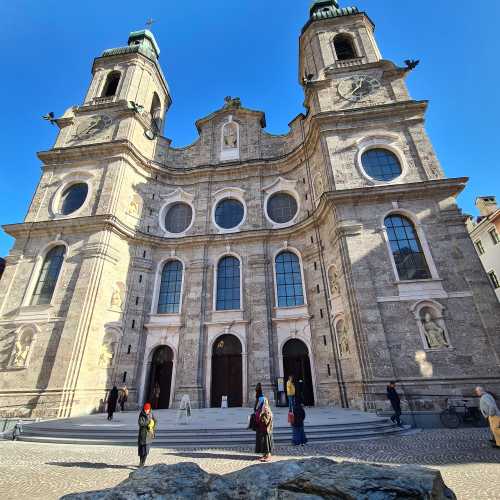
(73, 198)
(229, 213)
(381, 164)
(281, 208)
(178, 217)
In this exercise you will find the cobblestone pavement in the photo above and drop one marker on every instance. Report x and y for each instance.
(46, 471)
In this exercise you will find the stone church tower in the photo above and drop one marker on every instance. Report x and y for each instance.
(335, 253)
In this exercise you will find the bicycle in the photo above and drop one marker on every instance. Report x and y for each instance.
(458, 412)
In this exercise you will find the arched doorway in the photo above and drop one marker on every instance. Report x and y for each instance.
(226, 372)
(296, 362)
(160, 377)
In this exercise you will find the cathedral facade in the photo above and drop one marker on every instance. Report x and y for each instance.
(335, 253)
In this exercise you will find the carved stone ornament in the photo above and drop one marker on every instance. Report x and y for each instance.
(232, 102)
(333, 277)
(117, 295)
(343, 338)
(22, 348)
(106, 355)
(134, 207)
(91, 126)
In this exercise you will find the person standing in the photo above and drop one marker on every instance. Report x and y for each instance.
(258, 395)
(147, 432)
(112, 400)
(299, 415)
(156, 394)
(123, 397)
(490, 411)
(393, 397)
(264, 434)
(290, 392)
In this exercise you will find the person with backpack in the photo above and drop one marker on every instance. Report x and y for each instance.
(147, 432)
(264, 432)
(299, 415)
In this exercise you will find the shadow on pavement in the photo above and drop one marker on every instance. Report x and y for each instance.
(91, 465)
(202, 454)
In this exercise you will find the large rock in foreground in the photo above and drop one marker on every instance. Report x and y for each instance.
(288, 479)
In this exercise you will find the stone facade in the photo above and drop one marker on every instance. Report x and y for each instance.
(360, 323)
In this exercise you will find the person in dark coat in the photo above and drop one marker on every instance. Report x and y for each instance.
(112, 400)
(393, 397)
(299, 415)
(258, 395)
(147, 431)
(264, 434)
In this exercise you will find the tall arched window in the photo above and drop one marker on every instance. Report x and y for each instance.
(49, 274)
(344, 47)
(289, 280)
(228, 284)
(155, 112)
(406, 248)
(170, 288)
(111, 85)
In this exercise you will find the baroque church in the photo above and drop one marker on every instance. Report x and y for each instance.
(335, 253)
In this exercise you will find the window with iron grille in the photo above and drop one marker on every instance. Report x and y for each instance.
(49, 275)
(289, 280)
(281, 208)
(228, 284)
(406, 249)
(170, 288)
(178, 217)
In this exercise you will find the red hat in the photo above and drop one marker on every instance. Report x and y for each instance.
(147, 406)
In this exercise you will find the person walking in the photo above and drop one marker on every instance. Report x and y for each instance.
(393, 397)
(290, 392)
(490, 411)
(299, 415)
(147, 432)
(112, 400)
(123, 397)
(264, 434)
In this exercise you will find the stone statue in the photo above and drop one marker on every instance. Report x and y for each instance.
(106, 356)
(21, 351)
(230, 136)
(133, 208)
(318, 186)
(344, 341)
(232, 102)
(334, 280)
(117, 297)
(434, 333)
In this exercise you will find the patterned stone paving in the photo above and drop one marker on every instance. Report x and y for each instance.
(45, 471)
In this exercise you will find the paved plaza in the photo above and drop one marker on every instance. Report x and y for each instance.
(46, 471)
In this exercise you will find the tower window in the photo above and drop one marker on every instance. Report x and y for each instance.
(73, 198)
(381, 164)
(156, 113)
(344, 47)
(49, 275)
(111, 85)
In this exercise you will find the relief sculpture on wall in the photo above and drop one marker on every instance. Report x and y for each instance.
(22, 348)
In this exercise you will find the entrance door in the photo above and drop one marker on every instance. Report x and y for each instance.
(227, 378)
(296, 362)
(160, 378)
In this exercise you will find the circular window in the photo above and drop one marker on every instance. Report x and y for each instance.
(381, 164)
(229, 213)
(281, 208)
(178, 217)
(73, 198)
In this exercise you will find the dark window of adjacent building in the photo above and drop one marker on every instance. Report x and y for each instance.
(344, 47)
(49, 275)
(406, 248)
(494, 236)
(381, 164)
(480, 247)
(111, 84)
(73, 198)
(281, 208)
(170, 288)
(229, 213)
(124, 379)
(2, 266)
(289, 280)
(178, 217)
(494, 279)
(228, 284)
(129, 349)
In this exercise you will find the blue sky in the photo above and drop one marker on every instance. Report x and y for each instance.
(249, 49)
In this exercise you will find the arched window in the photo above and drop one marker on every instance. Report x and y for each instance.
(170, 288)
(344, 47)
(155, 112)
(228, 284)
(289, 280)
(48, 276)
(111, 84)
(406, 248)
(381, 164)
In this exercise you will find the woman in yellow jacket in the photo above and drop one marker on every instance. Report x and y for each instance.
(290, 392)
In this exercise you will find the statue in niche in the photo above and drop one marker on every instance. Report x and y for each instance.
(117, 296)
(135, 205)
(334, 280)
(344, 340)
(232, 102)
(106, 355)
(230, 136)
(434, 334)
(22, 349)
(318, 186)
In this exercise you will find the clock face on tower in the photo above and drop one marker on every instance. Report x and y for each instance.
(356, 88)
(92, 126)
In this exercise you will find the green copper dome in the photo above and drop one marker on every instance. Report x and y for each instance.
(325, 9)
(142, 41)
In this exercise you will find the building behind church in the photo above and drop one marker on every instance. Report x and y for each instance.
(335, 253)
